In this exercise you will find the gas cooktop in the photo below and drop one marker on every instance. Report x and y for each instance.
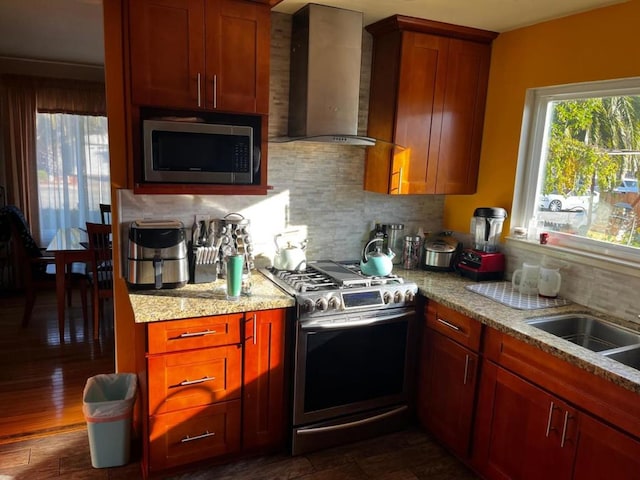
(327, 287)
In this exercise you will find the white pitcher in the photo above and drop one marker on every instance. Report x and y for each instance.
(525, 279)
(549, 281)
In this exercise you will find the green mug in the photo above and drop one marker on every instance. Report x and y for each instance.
(234, 276)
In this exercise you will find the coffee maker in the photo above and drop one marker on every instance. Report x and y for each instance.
(484, 261)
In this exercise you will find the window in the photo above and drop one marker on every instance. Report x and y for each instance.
(579, 166)
(73, 170)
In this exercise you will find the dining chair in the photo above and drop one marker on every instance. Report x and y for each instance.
(101, 270)
(36, 271)
(105, 213)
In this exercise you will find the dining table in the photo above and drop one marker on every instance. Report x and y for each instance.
(69, 245)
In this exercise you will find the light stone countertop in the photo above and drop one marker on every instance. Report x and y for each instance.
(205, 299)
(446, 288)
(449, 290)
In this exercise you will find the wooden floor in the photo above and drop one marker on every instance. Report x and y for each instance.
(41, 381)
(43, 433)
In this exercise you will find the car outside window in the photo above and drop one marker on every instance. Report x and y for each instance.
(579, 166)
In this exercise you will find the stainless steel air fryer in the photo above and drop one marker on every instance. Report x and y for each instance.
(157, 255)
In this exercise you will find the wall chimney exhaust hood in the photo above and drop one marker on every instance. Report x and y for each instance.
(326, 49)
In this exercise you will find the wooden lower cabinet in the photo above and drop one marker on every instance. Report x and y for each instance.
(604, 452)
(211, 399)
(194, 434)
(446, 392)
(263, 401)
(520, 429)
(448, 375)
(524, 432)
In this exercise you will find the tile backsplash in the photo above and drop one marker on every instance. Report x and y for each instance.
(317, 188)
(608, 290)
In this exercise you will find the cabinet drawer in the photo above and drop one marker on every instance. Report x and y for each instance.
(203, 332)
(455, 325)
(194, 434)
(199, 377)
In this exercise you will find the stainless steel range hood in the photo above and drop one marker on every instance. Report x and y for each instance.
(326, 50)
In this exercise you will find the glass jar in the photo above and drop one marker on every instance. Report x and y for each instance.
(411, 252)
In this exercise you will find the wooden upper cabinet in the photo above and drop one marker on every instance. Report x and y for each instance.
(238, 40)
(200, 54)
(428, 92)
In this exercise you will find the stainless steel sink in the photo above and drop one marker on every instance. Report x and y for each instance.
(630, 356)
(590, 332)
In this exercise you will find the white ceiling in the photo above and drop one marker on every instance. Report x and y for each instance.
(71, 30)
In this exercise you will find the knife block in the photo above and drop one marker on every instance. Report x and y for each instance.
(201, 273)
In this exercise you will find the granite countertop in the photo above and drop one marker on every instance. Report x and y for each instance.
(204, 299)
(449, 290)
(207, 299)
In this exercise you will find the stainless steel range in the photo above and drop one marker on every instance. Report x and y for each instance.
(355, 341)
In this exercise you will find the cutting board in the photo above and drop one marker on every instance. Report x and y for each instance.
(503, 292)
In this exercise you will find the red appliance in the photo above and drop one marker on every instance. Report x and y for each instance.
(479, 266)
(484, 261)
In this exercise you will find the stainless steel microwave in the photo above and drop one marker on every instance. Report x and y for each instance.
(199, 152)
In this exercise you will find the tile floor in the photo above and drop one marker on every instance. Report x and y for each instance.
(407, 455)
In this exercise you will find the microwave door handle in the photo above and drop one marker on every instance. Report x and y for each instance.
(257, 156)
(157, 269)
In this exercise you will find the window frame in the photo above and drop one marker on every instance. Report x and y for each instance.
(533, 138)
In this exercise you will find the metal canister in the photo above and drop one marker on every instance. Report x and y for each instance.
(411, 251)
(395, 240)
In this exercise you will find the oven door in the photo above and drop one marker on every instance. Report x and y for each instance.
(352, 363)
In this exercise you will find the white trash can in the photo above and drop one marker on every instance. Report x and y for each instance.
(107, 404)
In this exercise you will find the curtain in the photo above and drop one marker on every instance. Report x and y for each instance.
(18, 133)
(73, 171)
(22, 98)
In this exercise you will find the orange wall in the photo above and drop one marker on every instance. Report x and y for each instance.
(597, 45)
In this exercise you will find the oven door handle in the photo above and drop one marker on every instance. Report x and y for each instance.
(311, 325)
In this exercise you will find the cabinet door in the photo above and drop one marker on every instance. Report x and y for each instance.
(419, 111)
(237, 60)
(522, 432)
(603, 452)
(166, 41)
(446, 392)
(461, 127)
(264, 390)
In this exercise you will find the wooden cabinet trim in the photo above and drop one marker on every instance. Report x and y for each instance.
(402, 22)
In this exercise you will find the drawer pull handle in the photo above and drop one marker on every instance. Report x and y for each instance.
(551, 408)
(194, 382)
(567, 417)
(466, 368)
(197, 334)
(199, 94)
(255, 329)
(206, 434)
(450, 325)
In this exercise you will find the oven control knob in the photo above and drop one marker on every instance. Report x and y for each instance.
(322, 304)
(387, 298)
(334, 303)
(409, 295)
(308, 306)
(398, 297)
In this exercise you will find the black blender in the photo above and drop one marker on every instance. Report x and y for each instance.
(484, 261)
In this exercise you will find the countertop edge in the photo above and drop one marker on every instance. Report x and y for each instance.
(449, 290)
